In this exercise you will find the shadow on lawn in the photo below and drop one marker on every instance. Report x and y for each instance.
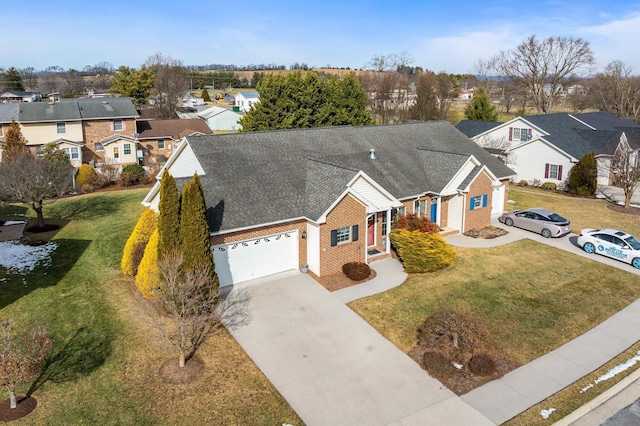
(63, 259)
(79, 356)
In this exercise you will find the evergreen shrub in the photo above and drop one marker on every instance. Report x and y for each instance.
(422, 252)
(147, 224)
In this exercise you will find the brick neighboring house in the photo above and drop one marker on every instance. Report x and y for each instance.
(157, 138)
(323, 197)
(81, 127)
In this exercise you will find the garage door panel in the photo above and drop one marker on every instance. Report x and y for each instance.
(246, 260)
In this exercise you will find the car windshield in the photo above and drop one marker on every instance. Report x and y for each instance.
(633, 242)
(557, 218)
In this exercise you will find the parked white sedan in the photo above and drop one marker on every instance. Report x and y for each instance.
(611, 243)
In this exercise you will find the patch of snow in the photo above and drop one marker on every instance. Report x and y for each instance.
(546, 413)
(586, 388)
(614, 371)
(19, 214)
(458, 366)
(511, 202)
(600, 195)
(14, 222)
(21, 259)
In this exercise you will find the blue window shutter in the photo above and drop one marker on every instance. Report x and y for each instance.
(471, 203)
(484, 200)
(334, 237)
(354, 233)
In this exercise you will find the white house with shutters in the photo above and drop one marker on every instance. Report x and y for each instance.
(246, 100)
(544, 148)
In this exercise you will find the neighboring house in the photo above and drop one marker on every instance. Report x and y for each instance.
(20, 96)
(85, 123)
(544, 148)
(71, 148)
(323, 197)
(245, 100)
(118, 150)
(157, 138)
(221, 119)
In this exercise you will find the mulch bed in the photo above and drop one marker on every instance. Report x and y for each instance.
(172, 373)
(450, 335)
(626, 210)
(25, 406)
(337, 281)
(487, 232)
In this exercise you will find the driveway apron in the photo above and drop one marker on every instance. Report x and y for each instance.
(330, 365)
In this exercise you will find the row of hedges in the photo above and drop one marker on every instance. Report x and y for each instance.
(89, 179)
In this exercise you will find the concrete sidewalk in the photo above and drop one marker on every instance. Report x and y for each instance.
(330, 365)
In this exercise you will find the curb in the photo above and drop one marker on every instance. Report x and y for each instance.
(599, 400)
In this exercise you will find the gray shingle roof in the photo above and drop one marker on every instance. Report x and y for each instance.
(102, 108)
(8, 112)
(473, 128)
(264, 177)
(33, 112)
(602, 120)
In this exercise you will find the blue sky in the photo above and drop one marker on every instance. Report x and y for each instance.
(440, 36)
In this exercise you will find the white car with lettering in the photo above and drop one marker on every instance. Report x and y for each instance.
(611, 243)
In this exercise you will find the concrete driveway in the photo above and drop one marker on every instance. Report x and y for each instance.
(330, 365)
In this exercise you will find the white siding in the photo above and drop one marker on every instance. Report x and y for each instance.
(462, 175)
(362, 188)
(186, 164)
(313, 247)
(456, 204)
(225, 121)
(604, 165)
(502, 134)
(531, 160)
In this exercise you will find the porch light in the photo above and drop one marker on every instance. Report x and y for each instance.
(304, 235)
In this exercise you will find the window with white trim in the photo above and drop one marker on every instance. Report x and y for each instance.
(384, 224)
(99, 147)
(343, 235)
(117, 125)
(553, 171)
(476, 202)
(420, 207)
(127, 149)
(160, 143)
(116, 153)
(61, 128)
(73, 153)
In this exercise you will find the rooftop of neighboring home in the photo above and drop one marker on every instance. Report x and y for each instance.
(249, 94)
(576, 134)
(68, 110)
(215, 110)
(175, 129)
(281, 175)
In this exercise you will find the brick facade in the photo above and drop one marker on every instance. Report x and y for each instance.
(347, 212)
(480, 216)
(150, 146)
(97, 130)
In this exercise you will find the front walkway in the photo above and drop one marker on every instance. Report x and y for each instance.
(330, 365)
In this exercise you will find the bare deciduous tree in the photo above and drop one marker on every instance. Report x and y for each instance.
(554, 61)
(625, 167)
(617, 91)
(191, 303)
(169, 86)
(21, 355)
(499, 146)
(31, 180)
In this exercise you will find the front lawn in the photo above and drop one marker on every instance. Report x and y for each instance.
(103, 369)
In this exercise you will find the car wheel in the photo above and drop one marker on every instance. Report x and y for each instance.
(508, 221)
(636, 262)
(546, 233)
(590, 248)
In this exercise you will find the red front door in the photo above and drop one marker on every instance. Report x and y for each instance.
(371, 231)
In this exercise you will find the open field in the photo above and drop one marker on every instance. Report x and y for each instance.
(103, 369)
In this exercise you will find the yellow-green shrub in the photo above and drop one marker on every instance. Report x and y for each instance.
(86, 175)
(147, 223)
(422, 252)
(148, 276)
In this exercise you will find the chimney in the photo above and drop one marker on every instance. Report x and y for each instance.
(372, 153)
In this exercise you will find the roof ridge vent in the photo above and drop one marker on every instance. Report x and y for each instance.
(372, 153)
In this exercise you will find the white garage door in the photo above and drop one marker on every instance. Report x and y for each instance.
(249, 259)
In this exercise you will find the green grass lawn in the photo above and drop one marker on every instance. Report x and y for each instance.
(533, 298)
(103, 368)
